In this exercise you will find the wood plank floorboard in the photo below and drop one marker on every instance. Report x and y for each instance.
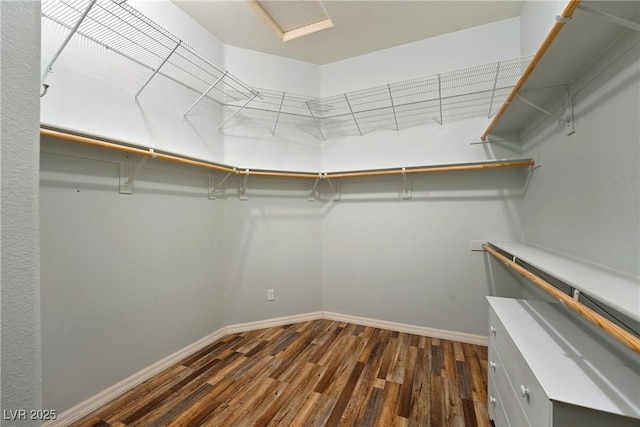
(316, 373)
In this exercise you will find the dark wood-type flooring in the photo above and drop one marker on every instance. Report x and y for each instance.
(317, 373)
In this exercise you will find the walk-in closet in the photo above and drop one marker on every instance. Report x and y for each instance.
(320, 213)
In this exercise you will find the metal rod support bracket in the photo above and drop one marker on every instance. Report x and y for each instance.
(313, 186)
(213, 189)
(576, 294)
(335, 188)
(406, 185)
(127, 175)
(562, 19)
(242, 193)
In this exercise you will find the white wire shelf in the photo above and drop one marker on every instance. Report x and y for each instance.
(474, 91)
(451, 96)
(122, 29)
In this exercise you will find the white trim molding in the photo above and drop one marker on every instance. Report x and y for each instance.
(86, 407)
(409, 329)
(98, 400)
(271, 323)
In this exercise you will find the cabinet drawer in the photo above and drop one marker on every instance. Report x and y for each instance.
(526, 388)
(512, 408)
(494, 405)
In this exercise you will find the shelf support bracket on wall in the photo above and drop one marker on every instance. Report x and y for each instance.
(213, 189)
(569, 105)
(315, 120)
(335, 188)
(311, 197)
(278, 116)
(346, 98)
(205, 93)
(613, 18)
(156, 71)
(440, 97)
(493, 92)
(393, 107)
(127, 175)
(242, 193)
(66, 40)
(406, 185)
(237, 111)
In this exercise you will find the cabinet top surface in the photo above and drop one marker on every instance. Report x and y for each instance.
(572, 362)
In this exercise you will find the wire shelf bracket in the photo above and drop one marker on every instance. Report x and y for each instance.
(73, 31)
(237, 111)
(568, 122)
(278, 115)
(156, 71)
(346, 98)
(315, 119)
(609, 16)
(393, 108)
(205, 93)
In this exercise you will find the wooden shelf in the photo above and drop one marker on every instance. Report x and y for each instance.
(618, 290)
(568, 49)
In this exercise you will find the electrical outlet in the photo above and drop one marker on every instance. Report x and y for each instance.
(271, 294)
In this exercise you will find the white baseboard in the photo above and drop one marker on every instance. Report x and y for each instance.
(271, 323)
(410, 329)
(95, 402)
(84, 408)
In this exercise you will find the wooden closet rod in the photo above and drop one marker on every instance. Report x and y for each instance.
(603, 323)
(308, 175)
(555, 30)
(427, 169)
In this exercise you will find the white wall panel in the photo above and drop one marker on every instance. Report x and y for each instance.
(584, 201)
(126, 279)
(19, 231)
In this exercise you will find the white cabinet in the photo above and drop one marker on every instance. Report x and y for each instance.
(548, 366)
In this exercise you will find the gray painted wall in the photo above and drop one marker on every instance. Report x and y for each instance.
(271, 241)
(126, 279)
(409, 261)
(19, 246)
(584, 200)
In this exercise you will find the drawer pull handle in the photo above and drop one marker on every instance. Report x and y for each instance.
(524, 391)
(492, 365)
(492, 400)
(492, 330)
